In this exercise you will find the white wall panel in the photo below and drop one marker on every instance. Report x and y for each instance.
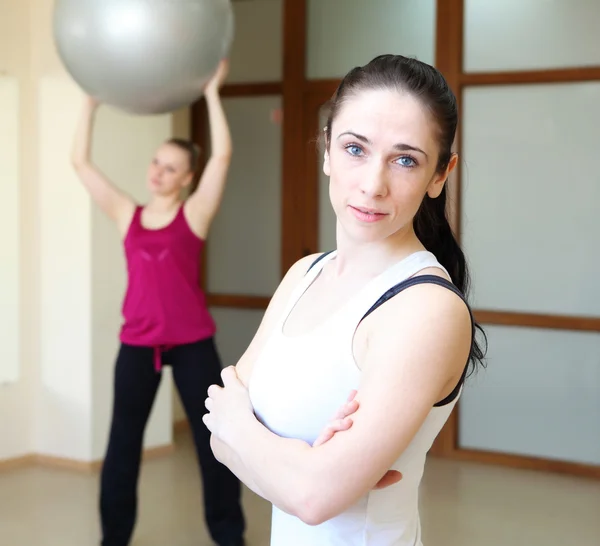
(9, 230)
(257, 50)
(531, 35)
(539, 396)
(244, 242)
(531, 190)
(342, 34)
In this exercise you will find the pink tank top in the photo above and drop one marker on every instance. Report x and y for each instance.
(164, 305)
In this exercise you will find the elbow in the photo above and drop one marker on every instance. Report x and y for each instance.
(312, 518)
(311, 508)
(78, 163)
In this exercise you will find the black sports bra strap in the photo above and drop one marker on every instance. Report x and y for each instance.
(419, 279)
(319, 258)
(430, 279)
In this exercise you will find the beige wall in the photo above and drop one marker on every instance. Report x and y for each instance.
(71, 272)
(15, 399)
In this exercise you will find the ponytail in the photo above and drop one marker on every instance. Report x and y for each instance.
(433, 230)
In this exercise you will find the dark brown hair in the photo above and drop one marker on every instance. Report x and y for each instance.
(191, 149)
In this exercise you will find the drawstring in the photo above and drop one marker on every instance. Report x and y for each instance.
(158, 350)
(157, 359)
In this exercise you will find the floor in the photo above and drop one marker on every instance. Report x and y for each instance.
(463, 504)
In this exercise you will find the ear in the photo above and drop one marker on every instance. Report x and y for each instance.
(326, 166)
(437, 183)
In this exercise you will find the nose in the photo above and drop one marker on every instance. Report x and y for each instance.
(374, 183)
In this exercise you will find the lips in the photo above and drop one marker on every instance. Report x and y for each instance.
(366, 210)
(367, 215)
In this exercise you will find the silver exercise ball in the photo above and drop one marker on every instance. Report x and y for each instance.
(143, 56)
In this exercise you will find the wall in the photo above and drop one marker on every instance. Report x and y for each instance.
(71, 272)
(15, 398)
(540, 395)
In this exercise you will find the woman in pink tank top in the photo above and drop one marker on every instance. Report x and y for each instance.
(165, 316)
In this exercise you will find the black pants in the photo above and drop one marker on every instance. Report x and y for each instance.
(196, 366)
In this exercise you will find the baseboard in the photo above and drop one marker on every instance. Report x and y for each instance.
(63, 463)
(16, 463)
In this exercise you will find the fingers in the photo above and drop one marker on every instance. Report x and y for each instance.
(206, 419)
(214, 390)
(352, 395)
(229, 376)
(341, 420)
(325, 436)
(339, 425)
(390, 478)
(347, 409)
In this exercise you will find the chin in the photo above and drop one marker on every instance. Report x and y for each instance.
(362, 235)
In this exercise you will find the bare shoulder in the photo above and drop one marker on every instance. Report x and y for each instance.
(424, 305)
(428, 321)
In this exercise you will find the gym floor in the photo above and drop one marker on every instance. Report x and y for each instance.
(463, 504)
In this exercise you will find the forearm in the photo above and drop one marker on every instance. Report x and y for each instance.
(82, 142)
(308, 482)
(220, 136)
(231, 460)
(278, 469)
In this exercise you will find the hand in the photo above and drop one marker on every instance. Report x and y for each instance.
(342, 421)
(229, 407)
(220, 450)
(218, 78)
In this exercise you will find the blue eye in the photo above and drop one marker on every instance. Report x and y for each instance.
(354, 150)
(407, 161)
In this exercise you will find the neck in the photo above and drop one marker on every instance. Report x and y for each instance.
(368, 259)
(164, 202)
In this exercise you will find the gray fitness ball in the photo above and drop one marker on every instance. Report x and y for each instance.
(143, 56)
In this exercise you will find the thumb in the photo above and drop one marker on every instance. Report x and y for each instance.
(229, 376)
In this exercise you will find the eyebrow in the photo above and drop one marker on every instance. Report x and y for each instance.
(401, 147)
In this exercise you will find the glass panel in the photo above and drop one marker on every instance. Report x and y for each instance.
(244, 242)
(539, 396)
(235, 330)
(257, 49)
(530, 197)
(536, 34)
(9, 230)
(342, 34)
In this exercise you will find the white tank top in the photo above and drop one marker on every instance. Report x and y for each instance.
(297, 385)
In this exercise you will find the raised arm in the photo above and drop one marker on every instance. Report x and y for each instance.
(117, 205)
(203, 204)
(412, 361)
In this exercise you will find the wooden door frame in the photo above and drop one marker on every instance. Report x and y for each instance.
(300, 179)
